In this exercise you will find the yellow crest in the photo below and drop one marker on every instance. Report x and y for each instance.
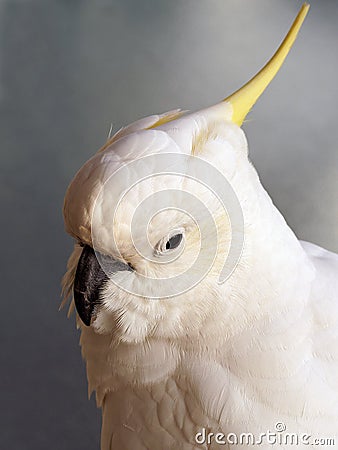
(244, 99)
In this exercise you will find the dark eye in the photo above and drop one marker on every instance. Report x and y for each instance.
(174, 241)
(169, 242)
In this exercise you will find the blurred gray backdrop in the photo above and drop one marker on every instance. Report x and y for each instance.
(70, 68)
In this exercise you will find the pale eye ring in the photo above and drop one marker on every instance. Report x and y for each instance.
(170, 242)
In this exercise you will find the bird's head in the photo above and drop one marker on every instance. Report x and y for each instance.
(161, 215)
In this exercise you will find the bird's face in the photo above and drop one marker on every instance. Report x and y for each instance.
(153, 232)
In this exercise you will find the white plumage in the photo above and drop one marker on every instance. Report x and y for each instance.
(238, 357)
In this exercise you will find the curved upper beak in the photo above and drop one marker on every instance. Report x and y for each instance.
(89, 280)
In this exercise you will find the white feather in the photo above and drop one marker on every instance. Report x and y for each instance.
(239, 357)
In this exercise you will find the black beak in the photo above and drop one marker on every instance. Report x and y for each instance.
(89, 279)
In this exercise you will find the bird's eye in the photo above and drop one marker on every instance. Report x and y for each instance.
(174, 241)
(169, 242)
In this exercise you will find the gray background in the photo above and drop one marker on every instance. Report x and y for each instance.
(70, 68)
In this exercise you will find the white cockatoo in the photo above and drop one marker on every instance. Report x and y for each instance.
(205, 323)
